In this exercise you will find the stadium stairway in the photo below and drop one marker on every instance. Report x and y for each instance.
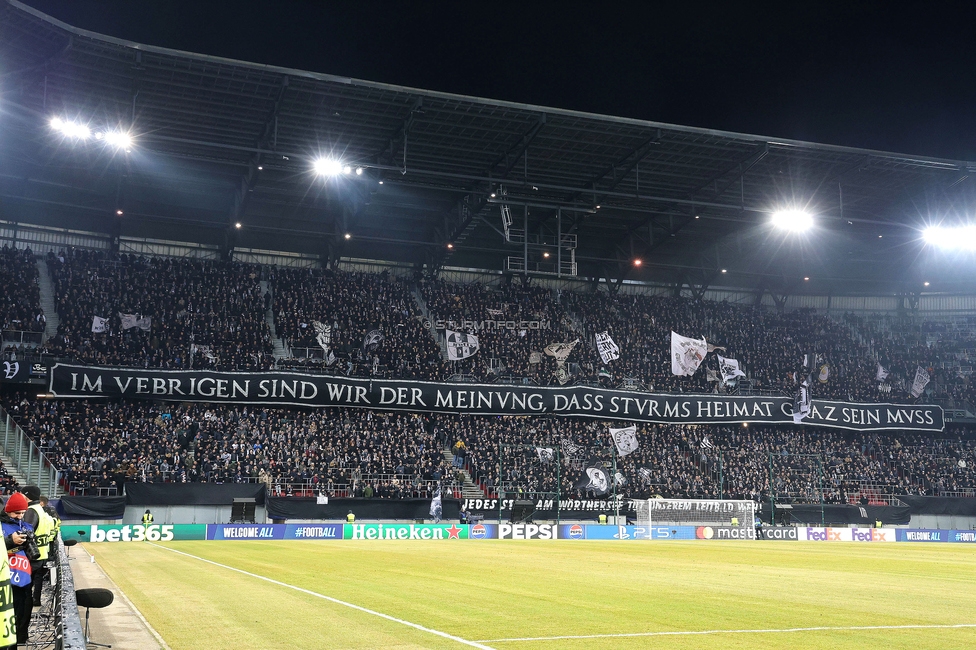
(47, 298)
(280, 349)
(23, 459)
(469, 489)
(429, 322)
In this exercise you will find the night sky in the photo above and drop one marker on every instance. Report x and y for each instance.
(882, 75)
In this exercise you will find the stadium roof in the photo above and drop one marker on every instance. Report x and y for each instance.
(220, 142)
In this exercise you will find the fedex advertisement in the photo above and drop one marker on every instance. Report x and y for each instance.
(848, 534)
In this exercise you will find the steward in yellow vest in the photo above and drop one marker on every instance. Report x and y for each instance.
(8, 624)
(44, 532)
(147, 518)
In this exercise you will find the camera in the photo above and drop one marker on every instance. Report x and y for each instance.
(30, 546)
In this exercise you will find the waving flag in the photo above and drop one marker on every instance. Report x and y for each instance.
(686, 354)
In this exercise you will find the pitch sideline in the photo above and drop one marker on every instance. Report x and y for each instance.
(473, 644)
(707, 632)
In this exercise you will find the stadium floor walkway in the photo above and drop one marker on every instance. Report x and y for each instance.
(119, 624)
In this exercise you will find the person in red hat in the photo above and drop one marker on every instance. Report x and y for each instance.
(16, 533)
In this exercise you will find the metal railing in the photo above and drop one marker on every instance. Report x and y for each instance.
(22, 337)
(27, 458)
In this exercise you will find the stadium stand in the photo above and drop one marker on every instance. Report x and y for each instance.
(20, 306)
(353, 304)
(205, 314)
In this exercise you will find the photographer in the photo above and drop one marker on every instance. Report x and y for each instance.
(18, 536)
(44, 531)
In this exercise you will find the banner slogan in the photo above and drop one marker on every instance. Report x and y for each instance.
(297, 389)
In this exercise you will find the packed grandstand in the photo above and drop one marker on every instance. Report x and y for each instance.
(216, 315)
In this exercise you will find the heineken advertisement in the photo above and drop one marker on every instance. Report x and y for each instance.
(297, 389)
(404, 531)
(134, 532)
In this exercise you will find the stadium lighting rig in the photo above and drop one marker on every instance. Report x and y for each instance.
(72, 130)
(951, 238)
(334, 167)
(793, 220)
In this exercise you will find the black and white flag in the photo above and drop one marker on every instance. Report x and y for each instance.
(802, 401)
(128, 320)
(712, 375)
(645, 475)
(372, 340)
(323, 334)
(606, 347)
(496, 313)
(730, 368)
(570, 449)
(436, 507)
(594, 479)
(99, 324)
(824, 374)
(461, 345)
(922, 380)
(619, 479)
(545, 455)
(625, 439)
(706, 443)
(559, 351)
(144, 323)
(882, 373)
(686, 354)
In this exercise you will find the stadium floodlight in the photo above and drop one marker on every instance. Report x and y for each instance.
(347, 169)
(70, 129)
(238, 225)
(638, 262)
(117, 139)
(119, 212)
(348, 236)
(359, 171)
(951, 238)
(327, 167)
(793, 220)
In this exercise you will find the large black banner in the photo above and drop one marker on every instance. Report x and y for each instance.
(297, 389)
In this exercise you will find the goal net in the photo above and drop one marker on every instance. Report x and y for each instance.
(696, 512)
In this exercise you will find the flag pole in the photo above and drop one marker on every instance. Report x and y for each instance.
(613, 456)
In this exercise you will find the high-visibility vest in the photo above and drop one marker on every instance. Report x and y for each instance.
(602, 518)
(8, 624)
(147, 519)
(44, 531)
(350, 518)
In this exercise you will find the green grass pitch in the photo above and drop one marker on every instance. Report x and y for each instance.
(749, 594)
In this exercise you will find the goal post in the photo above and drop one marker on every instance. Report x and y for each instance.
(696, 512)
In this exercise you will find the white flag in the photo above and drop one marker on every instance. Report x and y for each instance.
(625, 439)
(144, 323)
(98, 324)
(560, 351)
(461, 345)
(882, 373)
(730, 368)
(921, 381)
(545, 455)
(496, 313)
(705, 443)
(323, 334)
(606, 347)
(436, 507)
(686, 354)
(128, 320)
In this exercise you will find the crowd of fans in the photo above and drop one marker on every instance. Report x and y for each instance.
(503, 350)
(20, 300)
(204, 314)
(353, 305)
(207, 314)
(711, 461)
(101, 445)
